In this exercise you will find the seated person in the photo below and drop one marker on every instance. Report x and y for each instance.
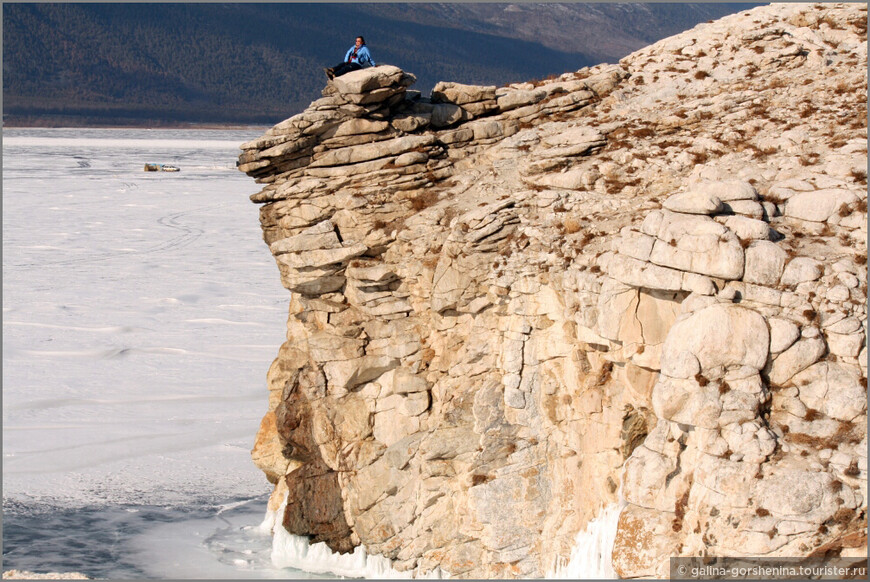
(357, 57)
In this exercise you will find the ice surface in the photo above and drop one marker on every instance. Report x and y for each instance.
(221, 545)
(136, 541)
(141, 311)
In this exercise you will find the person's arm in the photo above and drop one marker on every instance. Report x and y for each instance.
(366, 56)
(348, 53)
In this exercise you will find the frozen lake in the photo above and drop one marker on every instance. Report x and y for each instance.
(141, 311)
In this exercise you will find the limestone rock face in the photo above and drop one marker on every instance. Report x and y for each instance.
(512, 306)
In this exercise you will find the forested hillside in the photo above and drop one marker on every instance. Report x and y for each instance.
(98, 64)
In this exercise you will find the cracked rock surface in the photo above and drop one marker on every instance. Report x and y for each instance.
(511, 305)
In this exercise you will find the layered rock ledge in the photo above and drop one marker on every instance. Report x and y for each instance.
(512, 306)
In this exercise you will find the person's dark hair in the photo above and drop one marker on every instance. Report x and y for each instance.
(362, 39)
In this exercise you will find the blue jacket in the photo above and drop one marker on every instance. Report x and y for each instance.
(363, 56)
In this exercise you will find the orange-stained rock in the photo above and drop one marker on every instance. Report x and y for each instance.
(266, 454)
(642, 543)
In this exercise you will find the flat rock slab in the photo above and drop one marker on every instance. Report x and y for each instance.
(694, 202)
(819, 205)
(366, 81)
(459, 94)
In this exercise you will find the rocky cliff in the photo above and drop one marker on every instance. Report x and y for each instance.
(514, 306)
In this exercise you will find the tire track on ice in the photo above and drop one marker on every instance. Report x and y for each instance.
(189, 234)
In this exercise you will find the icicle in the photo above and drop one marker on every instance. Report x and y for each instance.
(593, 549)
(273, 517)
(291, 551)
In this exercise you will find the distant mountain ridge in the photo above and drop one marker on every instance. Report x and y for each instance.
(118, 64)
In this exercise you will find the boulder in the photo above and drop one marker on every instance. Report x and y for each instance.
(783, 333)
(357, 84)
(411, 122)
(818, 205)
(764, 263)
(520, 98)
(687, 402)
(459, 94)
(801, 355)
(798, 494)
(832, 389)
(697, 244)
(693, 202)
(748, 208)
(748, 228)
(801, 270)
(445, 114)
(727, 190)
(721, 337)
